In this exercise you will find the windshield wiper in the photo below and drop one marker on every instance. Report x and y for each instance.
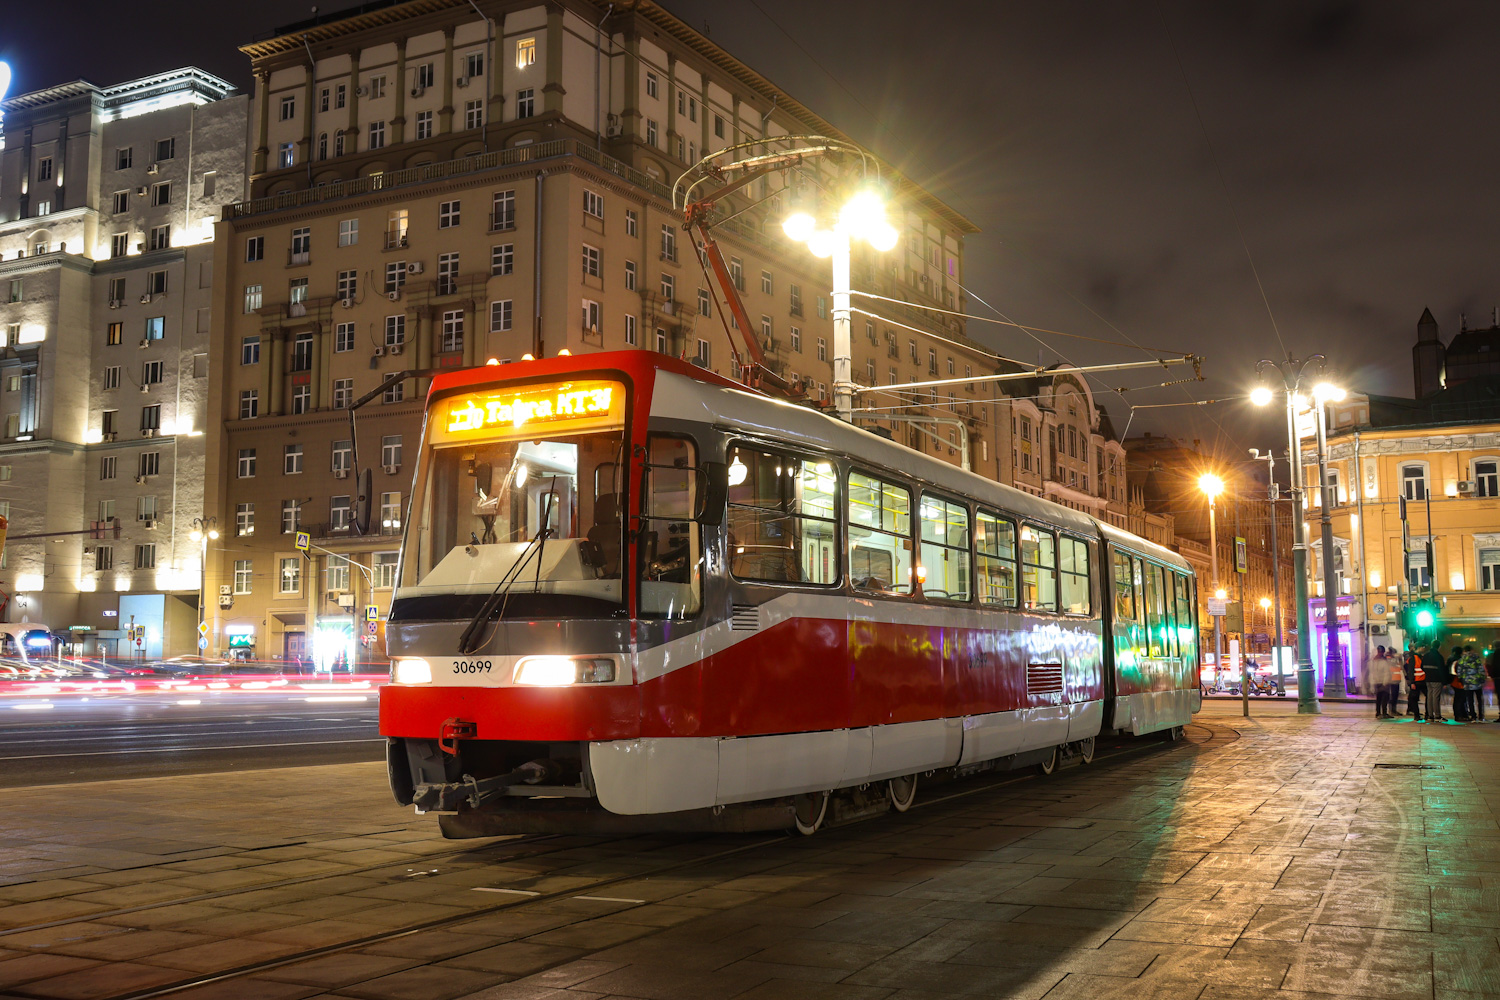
(470, 639)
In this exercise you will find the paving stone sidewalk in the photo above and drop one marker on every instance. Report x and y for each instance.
(1272, 858)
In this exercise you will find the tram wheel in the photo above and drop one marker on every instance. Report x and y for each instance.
(1176, 733)
(1050, 764)
(903, 792)
(1086, 750)
(808, 812)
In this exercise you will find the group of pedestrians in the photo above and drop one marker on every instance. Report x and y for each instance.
(1427, 673)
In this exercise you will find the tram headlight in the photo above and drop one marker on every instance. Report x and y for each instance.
(561, 671)
(411, 670)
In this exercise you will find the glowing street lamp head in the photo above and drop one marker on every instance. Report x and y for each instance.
(883, 237)
(1210, 484)
(196, 535)
(1326, 392)
(4, 79)
(1261, 395)
(799, 226)
(862, 213)
(1265, 603)
(821, 243)
(1221, 594)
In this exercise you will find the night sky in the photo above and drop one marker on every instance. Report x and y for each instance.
(1119, 157)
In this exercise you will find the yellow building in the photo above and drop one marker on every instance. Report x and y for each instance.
(1441, 454)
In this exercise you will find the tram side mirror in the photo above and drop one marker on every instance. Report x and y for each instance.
(484, 479)
(713, 494)
(362, 503)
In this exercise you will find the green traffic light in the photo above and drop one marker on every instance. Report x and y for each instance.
(1425, 618)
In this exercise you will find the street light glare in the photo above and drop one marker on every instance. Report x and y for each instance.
(1265, 602)
(799, 226)
(1326, 392)
(1261, 395)
(883, 237)
(196, 535)
(862, 213)
(821, 243)
(1221, 594)
(1210, 484)
(212, 534)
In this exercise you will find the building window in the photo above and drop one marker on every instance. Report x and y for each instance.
(245, 467)
(291, 459)
(291, 516)
(255, 248)
(448, 214)
(447, 279)
(795, 334)
(377, 135)
(348, 232)
(525, 103)
(704, 305)
(822, 349)
(590, 316)
(1489, 569)
(243, 573)
(288, 108)
(244, 519)
(1418, 577)
(651, 133)
(338, 520)
(302, 351)
(632, 222)
(473, 114)
(340, 93)
(322, 145)
(343, 456)
(156, 327)
(107, 467)
(1487, 478)
(343, 393)
(500, 315)
(290, 574)
(390, 451)
(161, 194)
(390, 511)
(121, 202)
(661, 341)
(630, 330)
(286, 155)
(1414, 482)
(590, 261)
(124, 157)
(104, 557)
(503, 210)
(385, 569)
(151, 417)
(111, 378)
(453, 330)
(148, 464)
(252, 298)
(502, 259)
(145, 556)
(766, 283)
(593, 204)
(112, 337)
(651, 85)
(668, 287)
(630, 275)
(160, 238)
(424, 124)
(393, 393)
(668, 242)
(119, 245)
(343, 338)
(348, 285)
(395, 330)
(704, 354)
(377, 87)
(395, 276)
(301, 399)
(249, 404)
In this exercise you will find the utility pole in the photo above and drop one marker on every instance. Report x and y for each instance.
(1333, 657)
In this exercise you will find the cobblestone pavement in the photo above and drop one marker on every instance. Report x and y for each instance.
(1274, 858)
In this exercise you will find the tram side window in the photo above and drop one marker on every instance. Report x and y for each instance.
(671, 549)
(944, 570)
(1124, 589)
(1038, 568)
(879, 519)
(783, 513)
(1155, 610)
(1185, 630)
(995, 555)
(1073, 574)
(1169, 616)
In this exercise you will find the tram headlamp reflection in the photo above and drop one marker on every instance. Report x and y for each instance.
(561, 671)
(411, 670)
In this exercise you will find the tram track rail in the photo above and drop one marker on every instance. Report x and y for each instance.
(1198, 737)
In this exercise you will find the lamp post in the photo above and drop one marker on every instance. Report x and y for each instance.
(1271, 498)
(205, 529)
(862, 217)
(1212, 486)
(1334, 676)
(1291, 372)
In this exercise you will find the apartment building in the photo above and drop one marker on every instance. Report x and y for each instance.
(439, 189)
(108, 199)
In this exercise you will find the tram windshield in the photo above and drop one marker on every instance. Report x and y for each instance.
(521, 490)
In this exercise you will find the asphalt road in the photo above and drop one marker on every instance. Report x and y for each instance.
(62, 739)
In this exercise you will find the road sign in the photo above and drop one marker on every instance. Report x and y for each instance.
(372, 627)
(304, 541)
(202, 643)
(203, 629)
(1378, 609)
(1217, 608)
(1241, 556)
(372, 613)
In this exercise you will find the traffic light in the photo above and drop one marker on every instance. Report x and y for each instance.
(1420, 618)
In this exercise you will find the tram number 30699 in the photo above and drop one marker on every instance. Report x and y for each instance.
(472, 666)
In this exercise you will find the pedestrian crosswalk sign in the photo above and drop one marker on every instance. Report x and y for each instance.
(304, 541)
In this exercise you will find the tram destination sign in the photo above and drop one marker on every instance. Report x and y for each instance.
(561, 406)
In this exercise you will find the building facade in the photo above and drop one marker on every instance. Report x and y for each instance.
(108, 199)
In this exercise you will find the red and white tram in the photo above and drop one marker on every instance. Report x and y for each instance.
(636, 595)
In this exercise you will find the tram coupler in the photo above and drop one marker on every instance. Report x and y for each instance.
(475, 792)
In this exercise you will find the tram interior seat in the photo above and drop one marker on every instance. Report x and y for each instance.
(604, 536)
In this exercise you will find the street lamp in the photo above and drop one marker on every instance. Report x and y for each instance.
(1291, 372)
(862, 217)
(205, 530)
(1334, 673)
(1212, 486)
